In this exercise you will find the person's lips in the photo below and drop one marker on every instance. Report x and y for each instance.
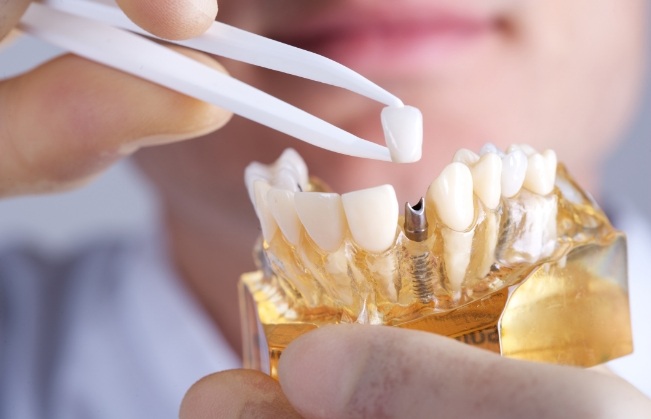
(396, 40)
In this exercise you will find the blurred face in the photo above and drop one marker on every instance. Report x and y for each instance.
(552, 73)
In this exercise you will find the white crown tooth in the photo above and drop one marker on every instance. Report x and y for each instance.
(540, 178)
(322, 215)
(452, 196)
(465, 156)
(403, 133)
(281, 205)
(255, 171)
(514, 170)
(525, 148)
(290, 158)
(490, 148)
(267, 222)
(372, 216)
(486, 179)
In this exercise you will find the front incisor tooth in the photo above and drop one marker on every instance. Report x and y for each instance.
(403, 132)
(452, 196)
(487, 179)
(281, 205)
(267, 222)
(514, 169)
(322, 215)
(541, 172)
(372, 216)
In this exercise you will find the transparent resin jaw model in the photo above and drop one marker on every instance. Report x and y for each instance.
(505, 252)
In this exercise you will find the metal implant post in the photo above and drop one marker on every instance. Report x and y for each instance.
(421, 259)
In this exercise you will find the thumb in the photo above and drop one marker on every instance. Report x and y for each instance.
(67, 120)
(355, 371)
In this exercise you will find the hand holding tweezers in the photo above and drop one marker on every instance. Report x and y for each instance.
(99, 31)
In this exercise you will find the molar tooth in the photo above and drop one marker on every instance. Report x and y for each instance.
(451, 194)
(490, 148)
(403, 132)
(465, 156)
(541, 172)
(372, 216)
(267, 222)
(486, 179)
(514, 169)
(282, 207)
(322, 215)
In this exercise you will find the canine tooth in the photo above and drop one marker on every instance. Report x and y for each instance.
(322, 215)
(541, 172)
(514, 169)
(267, 222)
(486, 179)
(451, 195)
(403, 132)
(282, 207)
(465, 156)
(457, 247)
(372, 216)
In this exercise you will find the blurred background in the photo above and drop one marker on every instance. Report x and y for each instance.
(119, 201)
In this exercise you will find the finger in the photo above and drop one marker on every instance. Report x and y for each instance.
(10, 13)
(383, 372)
(67, 120)
(236, 394)
(172, 19)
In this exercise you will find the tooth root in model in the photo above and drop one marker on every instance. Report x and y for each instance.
(372, 216)
(451, 194)
(322, 215)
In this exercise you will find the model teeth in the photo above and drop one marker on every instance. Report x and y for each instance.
(281, 206)
(372, 216)
(465, 156)
(457, 248)
(541, 172)
(490, 148)
(267, 222)
(322, 215)
(451, 195)
(487, 178)
(514, 169)
(403, 131)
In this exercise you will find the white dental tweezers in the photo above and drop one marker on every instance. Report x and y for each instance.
(98, 30)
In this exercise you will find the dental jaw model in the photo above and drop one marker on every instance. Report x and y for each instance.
(504, 252)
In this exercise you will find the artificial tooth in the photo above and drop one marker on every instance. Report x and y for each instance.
(322, 215)
(291, 160)
(267, 222)
(282, 207)
(403, 132)
(486, 179)
(372, 216)
(286, 178)
(490, 148)
(541, 172)
(465, 156)
(253, 172)
(514, 169)
(452, 196)
(525, 148)
(457, 247)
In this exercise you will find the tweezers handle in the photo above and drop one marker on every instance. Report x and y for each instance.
(145, 59)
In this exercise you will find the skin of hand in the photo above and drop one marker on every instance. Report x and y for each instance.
(94, 115)
(354, 371)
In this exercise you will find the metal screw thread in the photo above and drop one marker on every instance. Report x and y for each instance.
(422, 272)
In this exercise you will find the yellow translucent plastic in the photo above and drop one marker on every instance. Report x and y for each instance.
(546, 281)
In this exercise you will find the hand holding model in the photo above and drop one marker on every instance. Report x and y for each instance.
(94, 115)
(384, 372)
